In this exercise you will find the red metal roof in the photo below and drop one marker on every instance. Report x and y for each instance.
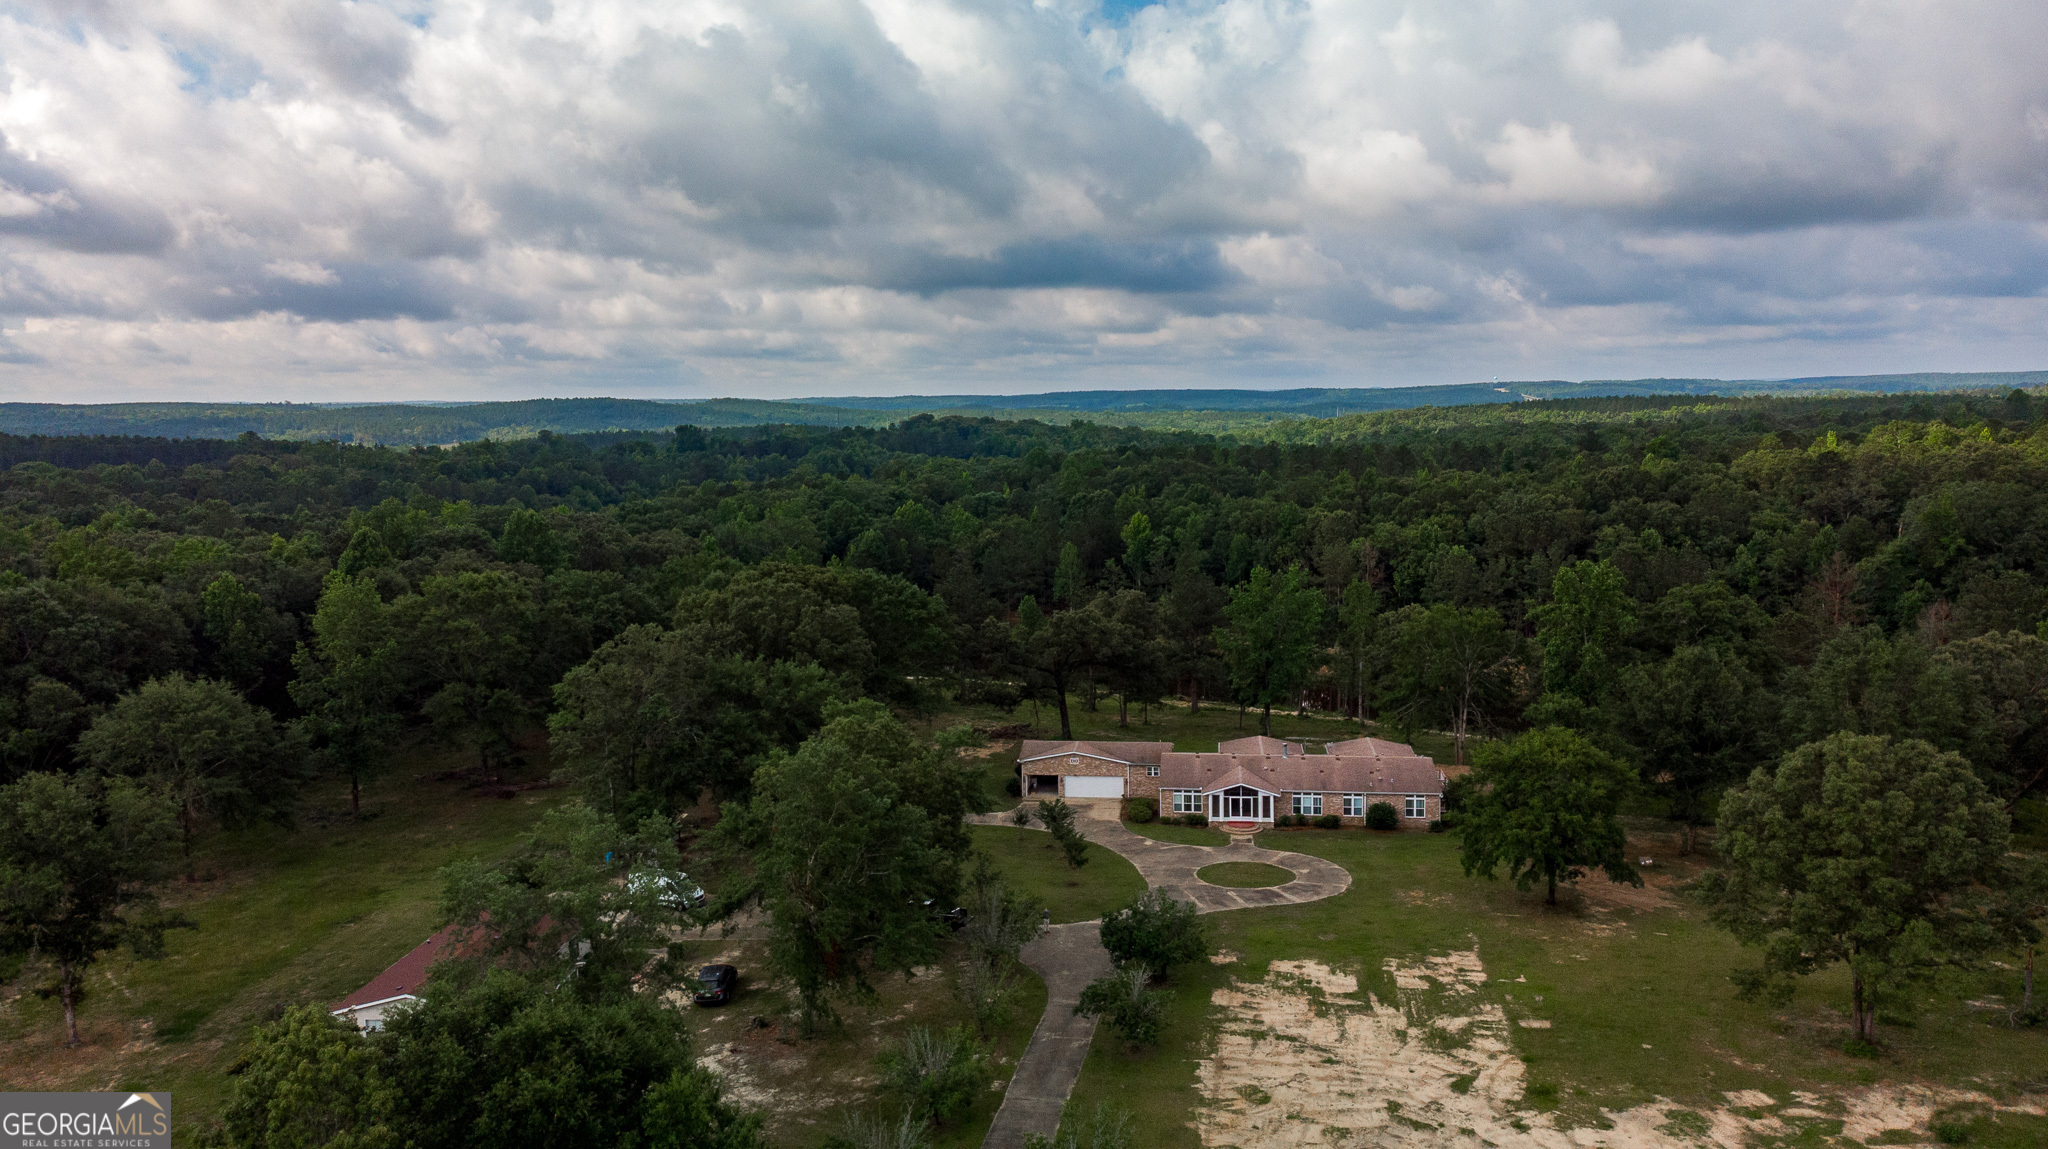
(405, 975)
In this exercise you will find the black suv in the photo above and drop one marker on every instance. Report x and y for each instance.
(716, 984)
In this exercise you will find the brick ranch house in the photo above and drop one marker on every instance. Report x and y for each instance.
(1245, 780)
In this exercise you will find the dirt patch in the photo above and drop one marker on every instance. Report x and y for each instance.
(1304, 1058)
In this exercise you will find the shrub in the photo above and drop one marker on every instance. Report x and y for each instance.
(1013, 786)
(1143, 809)
(937, 1076)
(1329, 822)
(1196, 820)
(1058, 818)
(1156, 932)
(1381, 816)
(864, 1132)
(1021, 816)
(1125, 1000)
(1438, 825)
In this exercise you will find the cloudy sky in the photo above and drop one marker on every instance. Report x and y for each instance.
(413, 199)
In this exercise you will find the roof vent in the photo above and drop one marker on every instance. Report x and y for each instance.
(1283, 750)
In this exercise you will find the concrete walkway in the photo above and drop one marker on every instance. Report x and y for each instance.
(1070, 956)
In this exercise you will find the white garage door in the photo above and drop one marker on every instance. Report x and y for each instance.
(1080, 786)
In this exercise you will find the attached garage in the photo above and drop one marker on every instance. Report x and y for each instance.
(1085, 786)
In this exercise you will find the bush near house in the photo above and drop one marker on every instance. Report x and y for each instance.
(1381, 816)
(1142, 810)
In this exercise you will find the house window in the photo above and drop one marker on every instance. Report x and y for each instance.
(1354, 805)
(1308, 803)
(1152, 771)
(1187, 801)
(1418, 806)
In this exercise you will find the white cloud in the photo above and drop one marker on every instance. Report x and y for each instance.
(462, 197)
(1548, 166)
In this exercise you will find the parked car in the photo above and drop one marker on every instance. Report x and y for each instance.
(675, 890)
(716, 984)
(955, 918)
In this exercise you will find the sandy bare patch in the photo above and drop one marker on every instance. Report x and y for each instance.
(1303, 1058)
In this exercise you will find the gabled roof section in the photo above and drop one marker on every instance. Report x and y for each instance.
(1258, 745)
(405, 976)
(1370, 748)
(1127, 753)
(1324, 773)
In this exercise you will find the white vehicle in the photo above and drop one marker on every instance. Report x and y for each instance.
(675, 890)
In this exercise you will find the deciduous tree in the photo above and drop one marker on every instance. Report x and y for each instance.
(199, 743)
(848, 838)
(1447, 665)
(1546, 806)
(1861, 850)
(80, 859)
(348, 682)
(1270, 644)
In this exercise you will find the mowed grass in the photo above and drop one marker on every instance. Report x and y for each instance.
(1032, 865)
(1638, 998)
(1244, 875)
(301, 915)
(1179, 835)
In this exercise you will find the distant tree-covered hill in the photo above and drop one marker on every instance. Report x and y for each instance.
(1234, 412)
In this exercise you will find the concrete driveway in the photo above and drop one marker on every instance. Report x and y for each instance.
(1070, 956)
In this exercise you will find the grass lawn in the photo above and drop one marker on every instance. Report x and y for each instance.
(994, 766)
(1179, 835)
(287, 916)
(1244, 875)
(1034, 867)
(1633, 983)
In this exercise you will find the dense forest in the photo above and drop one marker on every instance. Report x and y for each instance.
(1664, 593)
(1695, 582)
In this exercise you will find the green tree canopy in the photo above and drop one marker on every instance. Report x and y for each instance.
(198, 742)
(80, 859)
(1156, 932)
(1448, 666)
(1270, 644)
(1860, 849)
(848, 838)
(348, 682)
(508, 1062)
(582, 903)
(1582, 628)
(654, 718)
(1697, 720)
(1546, 805)
(239, 626)
(468, 640)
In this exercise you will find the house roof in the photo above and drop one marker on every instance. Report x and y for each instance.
(1307, 772)
(1259, 744)
(406, 974)
(1128, 753)
(1370, 748)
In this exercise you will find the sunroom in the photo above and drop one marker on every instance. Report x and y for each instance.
(1241, 804)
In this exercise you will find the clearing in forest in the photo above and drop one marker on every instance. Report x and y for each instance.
(1304, 1058)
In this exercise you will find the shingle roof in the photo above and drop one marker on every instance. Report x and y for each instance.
(1259, 744)
(1130, 753)
(1328, 773)
(1370, 748)
(405, 975)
